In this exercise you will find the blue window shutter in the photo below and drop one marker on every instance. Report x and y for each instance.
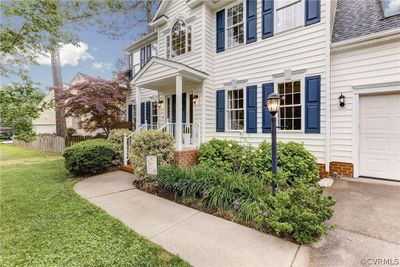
(174, 109)
(313, 104)
(220, 111)
(220, 38)
(312, 11)
(184, 108)
(267, 89)
(142, 110)
(148, 112)
(251, 21)
(267, 15)
(130, 110)
(251, 109)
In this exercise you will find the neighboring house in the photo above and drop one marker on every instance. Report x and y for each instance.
(46, 123)
(208, 67)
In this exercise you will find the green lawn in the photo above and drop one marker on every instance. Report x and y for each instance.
(44, 223)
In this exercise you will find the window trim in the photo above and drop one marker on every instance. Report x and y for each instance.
(226, 23)
(276, 9)
(169, 34)
(227, 109)
(294, 78)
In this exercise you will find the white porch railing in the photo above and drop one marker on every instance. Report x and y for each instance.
(128, 141)
(190, 133)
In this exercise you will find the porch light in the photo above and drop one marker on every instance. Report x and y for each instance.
(342, 100)
(195, 99)
(160, 103)
(273, 103)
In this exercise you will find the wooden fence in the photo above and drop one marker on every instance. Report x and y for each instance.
(44, 142)
(52, 143)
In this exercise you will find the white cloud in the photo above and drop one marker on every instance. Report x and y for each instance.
(101, 66)
(393, 8)
(69, 55)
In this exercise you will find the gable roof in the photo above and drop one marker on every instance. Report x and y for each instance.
(177, 66)
(357, 18)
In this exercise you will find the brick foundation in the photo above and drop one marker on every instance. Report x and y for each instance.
(322, 172)
(342, 168)
(186, 158)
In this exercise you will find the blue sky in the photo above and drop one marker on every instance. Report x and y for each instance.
(96, 56)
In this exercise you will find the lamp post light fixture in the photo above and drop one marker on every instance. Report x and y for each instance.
(273, 103)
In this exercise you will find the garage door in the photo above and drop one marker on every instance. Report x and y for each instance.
(380, 136)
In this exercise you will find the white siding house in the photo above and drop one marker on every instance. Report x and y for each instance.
(215, 63)
(46, 122)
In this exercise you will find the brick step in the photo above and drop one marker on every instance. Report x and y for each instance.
(126, 168)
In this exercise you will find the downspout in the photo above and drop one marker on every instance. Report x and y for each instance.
(203, 65)
(328, 88)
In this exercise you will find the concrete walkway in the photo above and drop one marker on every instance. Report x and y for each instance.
(199, 238)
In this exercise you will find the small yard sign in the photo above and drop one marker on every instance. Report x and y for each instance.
(151, 164)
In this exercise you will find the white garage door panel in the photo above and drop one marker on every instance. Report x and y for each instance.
(380, 136)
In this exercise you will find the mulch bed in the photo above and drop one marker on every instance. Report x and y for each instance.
(151, 187)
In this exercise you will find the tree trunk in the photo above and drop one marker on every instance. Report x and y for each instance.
(148, 7)
(61, 125)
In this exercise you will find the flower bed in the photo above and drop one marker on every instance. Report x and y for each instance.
(242, 193)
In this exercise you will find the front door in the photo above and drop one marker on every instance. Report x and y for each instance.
(171, 108)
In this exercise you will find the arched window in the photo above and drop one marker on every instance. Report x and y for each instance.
(180, 38)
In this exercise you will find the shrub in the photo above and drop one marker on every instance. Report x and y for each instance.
(90, 156)
(151, 143)
(116, 137)
(293, 159)
(298, 211)
(220, 154)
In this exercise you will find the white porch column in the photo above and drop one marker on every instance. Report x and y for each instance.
(179, 112)
(138, 101)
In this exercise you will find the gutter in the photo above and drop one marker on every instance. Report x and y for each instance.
(143, 40)
(366, 39)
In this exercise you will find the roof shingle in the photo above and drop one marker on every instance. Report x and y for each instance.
(357, 18)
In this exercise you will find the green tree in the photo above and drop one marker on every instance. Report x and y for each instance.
(38, 27)
(19, 104)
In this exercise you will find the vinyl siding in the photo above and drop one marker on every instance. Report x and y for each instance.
(373, 64)
(302, 48)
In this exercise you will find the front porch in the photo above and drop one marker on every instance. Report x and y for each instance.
(176, 102)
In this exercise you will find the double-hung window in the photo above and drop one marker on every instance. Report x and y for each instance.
(290, 107)
(235, 25)
(179, 42)
(289, 14)
(235, 109)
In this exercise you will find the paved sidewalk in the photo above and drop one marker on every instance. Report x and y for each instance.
(199, 238)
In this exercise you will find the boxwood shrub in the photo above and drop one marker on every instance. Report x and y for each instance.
(91, 156)
(151, 143)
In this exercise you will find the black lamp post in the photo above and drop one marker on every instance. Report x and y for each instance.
(273, 102)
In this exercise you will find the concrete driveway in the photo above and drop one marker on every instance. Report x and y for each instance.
(367, 215)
